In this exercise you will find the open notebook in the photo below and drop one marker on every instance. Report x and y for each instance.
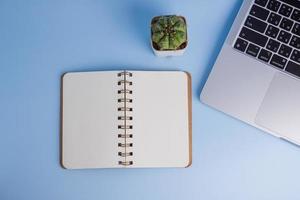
(131, 119)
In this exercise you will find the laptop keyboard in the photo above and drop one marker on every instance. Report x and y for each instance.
(271, 34)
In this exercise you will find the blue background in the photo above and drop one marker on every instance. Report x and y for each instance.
(40, 40)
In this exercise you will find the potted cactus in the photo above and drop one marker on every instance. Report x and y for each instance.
(168, 35)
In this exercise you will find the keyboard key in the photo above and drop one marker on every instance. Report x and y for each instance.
(240, 44)
(284, 36)
(295, 3)
(296, 15)
(262, 3)
(296, 29)
(295, 42)
(285, 10)
(286, 24)
(253, 37)
(296, 56)
(293, 68)
(278, 61)
(272, 31)
(253, 50)
(265, 55)
(259, 12)
(274, 19)
(273, 45)
(285, 51)
(256, 24)
(273, 5)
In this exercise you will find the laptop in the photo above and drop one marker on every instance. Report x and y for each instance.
(256, 77)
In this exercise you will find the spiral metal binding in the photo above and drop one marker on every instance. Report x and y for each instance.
(125, 118)
(125, 127)
(124, 91)
(125, 163)
(125, 136)
(124, 100)
(125, 73)
(125, 110)
(125, 154)
(125, 145)
(124, 82)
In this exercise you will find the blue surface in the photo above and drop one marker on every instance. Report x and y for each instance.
(40, 40)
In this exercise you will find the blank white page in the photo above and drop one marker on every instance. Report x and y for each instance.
(161, 119)
(89, 120)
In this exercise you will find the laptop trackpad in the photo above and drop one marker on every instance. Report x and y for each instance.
(280, 109)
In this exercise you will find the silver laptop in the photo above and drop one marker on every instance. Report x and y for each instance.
(256, 77)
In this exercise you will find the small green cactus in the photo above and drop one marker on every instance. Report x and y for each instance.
(169, 32)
